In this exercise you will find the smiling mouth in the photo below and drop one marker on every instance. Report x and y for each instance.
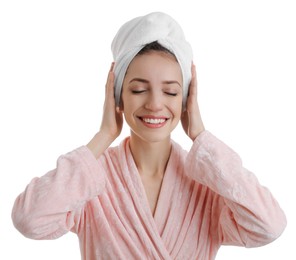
(154, 120)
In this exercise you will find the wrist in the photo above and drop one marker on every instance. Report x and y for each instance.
(198, 131)
(99, 143)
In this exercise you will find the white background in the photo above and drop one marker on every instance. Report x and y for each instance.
(54, 59)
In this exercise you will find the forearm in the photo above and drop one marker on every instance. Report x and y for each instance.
(252, 212)
(46, 209)
(99, 143)
(249, 212)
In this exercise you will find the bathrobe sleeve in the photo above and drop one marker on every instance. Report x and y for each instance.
(49, 204)
(243, 212)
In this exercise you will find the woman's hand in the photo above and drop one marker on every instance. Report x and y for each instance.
(191, 118)
(112, 120)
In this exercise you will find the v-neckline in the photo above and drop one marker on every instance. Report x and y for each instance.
(143, 194)
(154, 224)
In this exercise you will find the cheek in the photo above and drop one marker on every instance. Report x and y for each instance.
(177, 106)
(129, 105)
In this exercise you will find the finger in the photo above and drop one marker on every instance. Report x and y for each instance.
(193, 83)
(112, 66)
(110, 81)
(111, 73)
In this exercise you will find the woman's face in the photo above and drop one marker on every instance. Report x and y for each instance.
(152, 96)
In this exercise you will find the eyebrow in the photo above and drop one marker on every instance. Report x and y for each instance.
(147, 81)
(139, 79)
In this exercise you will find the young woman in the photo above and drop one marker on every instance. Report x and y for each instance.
(148, 198)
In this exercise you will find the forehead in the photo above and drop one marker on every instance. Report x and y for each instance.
(155, 63)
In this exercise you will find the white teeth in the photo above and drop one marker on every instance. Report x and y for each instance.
(154, 120)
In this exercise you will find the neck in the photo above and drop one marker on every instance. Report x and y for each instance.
(150, 157)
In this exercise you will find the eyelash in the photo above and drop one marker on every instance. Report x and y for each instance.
(171, 94)
(138, 91)
(142, 91)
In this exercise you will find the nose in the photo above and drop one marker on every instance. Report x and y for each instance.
(154, 102)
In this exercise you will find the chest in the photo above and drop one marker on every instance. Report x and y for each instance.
(119, 226)
(152, 186)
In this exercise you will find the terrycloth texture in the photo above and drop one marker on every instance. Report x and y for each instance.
(207, 199)
(136, 33)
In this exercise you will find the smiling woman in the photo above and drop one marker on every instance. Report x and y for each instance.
(148, 198)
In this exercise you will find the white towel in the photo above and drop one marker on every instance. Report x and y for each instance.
(136, 33)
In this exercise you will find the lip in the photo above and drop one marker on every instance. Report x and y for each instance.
(151, 121)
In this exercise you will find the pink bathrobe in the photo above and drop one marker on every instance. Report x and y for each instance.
(207, 199)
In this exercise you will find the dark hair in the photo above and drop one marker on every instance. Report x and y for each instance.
(154, 46)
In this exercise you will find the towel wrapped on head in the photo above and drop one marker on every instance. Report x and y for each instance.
(140, 31)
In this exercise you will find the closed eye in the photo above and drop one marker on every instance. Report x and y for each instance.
(171, 94)
(138, 91)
